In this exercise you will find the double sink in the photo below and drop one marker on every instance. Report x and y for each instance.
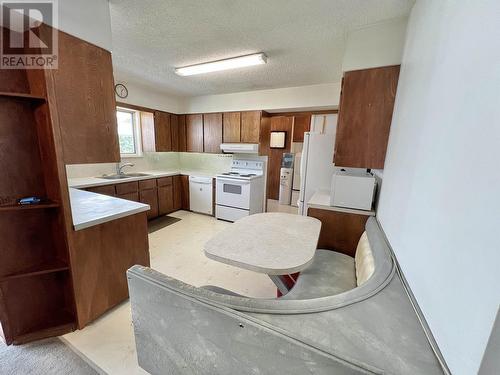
(123, 175)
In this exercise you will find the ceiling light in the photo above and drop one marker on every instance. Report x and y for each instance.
(226, 64)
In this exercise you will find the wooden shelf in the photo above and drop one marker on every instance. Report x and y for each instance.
(36, 98)
(45, 332)
(40, 269)
(38, 206)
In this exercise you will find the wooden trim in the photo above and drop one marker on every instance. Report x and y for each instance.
(305, 113)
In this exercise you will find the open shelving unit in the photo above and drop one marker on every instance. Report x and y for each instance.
(36, 295)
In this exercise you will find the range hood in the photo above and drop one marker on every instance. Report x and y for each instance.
(240, 148)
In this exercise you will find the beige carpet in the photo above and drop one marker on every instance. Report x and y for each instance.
(45, 357)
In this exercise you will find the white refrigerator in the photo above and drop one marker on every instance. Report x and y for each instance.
(316, 164)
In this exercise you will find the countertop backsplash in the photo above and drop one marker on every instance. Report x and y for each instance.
(210, 163)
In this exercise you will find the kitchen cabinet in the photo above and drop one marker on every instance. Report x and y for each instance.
(250, 126)
(212, 132)
(148, 194)
(340, 231)
(174, 130)
(365, 115)
(231, 127)
(301, 124)
(177, 186)
(163, 132)
(86, 107)
(185, 192)
(181, 120)
(165, 195)
(128, 190)
(194, 133)
(105, 190)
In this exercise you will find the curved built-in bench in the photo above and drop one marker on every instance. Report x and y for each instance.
(334, 328)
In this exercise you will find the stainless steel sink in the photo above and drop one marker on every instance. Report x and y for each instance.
(123, 175)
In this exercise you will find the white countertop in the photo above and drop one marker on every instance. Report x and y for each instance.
(89, 209)
(86, 182)
(271, 243)
(321, 200)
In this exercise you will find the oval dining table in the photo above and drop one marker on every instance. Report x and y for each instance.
(273, 243)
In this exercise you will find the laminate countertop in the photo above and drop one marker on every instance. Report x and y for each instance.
(321, 200)
(86, 182)
(89, 209)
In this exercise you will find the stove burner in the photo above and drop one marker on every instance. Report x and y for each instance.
(248, 175)
(231, 174)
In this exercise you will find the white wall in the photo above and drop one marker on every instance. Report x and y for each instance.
(375, 45)
(440, 202)
(88, 20)
(325, 96)
(146, 97)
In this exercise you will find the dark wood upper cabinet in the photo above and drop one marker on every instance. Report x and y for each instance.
(365, 115)
(148, 132)
(231, 127)
(250, 126)
(163, 132)
(86, 106)
(301, 124)
(212, 132)
(194, 133)
(182, 132)
(174, 130)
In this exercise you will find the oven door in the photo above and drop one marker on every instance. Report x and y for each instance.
(233, 193)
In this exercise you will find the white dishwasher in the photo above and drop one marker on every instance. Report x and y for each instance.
(201, 194)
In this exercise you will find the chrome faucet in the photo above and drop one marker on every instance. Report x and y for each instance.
(119, 168)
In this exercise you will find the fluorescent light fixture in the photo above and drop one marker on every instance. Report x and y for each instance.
(226, 64)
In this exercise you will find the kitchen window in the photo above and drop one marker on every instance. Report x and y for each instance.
(128, 132)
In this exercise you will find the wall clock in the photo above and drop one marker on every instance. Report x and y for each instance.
(121, 90)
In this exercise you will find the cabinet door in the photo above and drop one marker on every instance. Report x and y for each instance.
(182, 133)
(148, 132)
(174, 130)
(163, 133)
(105, 190)
(165, 199)
(185, 192)
(85, 106)
(232, 127)
(194, 133)
(177, 182)
(365, 115)
(150, 197)
(301, 124)
(212, 132)
(250, 126)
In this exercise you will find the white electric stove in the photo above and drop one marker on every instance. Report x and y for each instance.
(240, 191)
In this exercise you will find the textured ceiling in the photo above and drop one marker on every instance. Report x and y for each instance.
(303, 39)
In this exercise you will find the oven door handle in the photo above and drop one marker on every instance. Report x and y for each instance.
(232, 181)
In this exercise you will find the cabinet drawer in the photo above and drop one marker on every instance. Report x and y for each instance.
(127, 187)
(164, 181)
(130, 196)
(106, 189)
(147, 184)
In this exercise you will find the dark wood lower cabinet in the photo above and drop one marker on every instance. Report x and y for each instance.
(165, 199)
(105, 190)
(99, 275)
(150, 196)
(130, 196)
(340, 231)
(177, 201)
(185, 192)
